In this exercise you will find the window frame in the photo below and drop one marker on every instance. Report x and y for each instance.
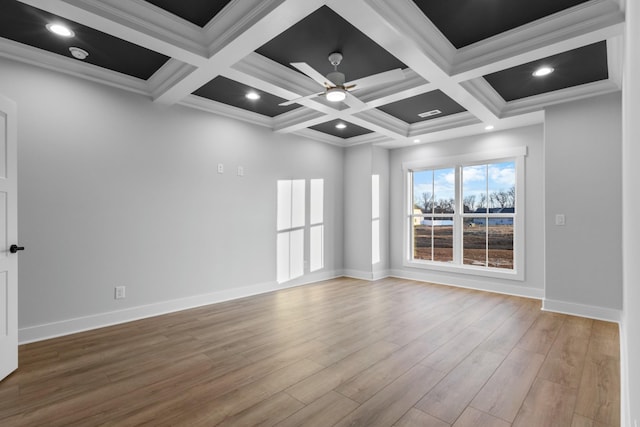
(516, 154)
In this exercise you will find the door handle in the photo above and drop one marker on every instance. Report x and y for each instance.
(15, 248)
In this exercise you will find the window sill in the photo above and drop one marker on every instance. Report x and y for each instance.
(467, 269)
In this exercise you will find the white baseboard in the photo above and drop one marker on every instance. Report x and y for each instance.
(358, 274)
(382, 274)
(625, 409)
(582, 310)
(488, 286)
(70, 326)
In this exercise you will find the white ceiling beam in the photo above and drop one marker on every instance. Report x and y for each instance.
(267, 75)
(388, 25)
(266, 20)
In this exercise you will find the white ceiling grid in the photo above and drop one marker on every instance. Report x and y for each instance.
(226, 46)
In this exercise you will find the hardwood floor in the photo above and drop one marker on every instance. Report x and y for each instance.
(343, 352)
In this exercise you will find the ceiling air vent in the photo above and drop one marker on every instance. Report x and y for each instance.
(430, 113)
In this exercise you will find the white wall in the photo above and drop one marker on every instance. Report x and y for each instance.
(532, 137)
(631, 226)
(115, 190)
(584, 182)
(357, 211)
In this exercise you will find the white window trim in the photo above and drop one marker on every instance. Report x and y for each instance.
(512, 153)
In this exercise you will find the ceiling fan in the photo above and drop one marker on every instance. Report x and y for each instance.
(336, 89)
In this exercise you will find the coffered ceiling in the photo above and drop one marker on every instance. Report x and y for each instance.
(467, 64)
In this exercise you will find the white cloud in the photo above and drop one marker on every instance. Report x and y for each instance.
(474, 173)
(505, 177)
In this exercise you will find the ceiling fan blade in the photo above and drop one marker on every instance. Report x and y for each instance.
(309, 71)
(378, 79)
(293, 101)
(353, 102)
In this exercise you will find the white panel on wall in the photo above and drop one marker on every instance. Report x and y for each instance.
(4, 299)
(3, 145)
(3, 229)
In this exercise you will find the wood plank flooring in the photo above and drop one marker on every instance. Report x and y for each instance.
(343, 352)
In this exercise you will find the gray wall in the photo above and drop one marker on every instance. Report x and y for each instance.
(115, 190)
(631, 226)
(583, 180)
(357, 211)
(532, 137)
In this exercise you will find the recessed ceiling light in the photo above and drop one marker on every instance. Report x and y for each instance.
(341, 126)
(252, 96)
(60, 30)
(415, 141)
(542, 71)
(490, 127)
(78, 53)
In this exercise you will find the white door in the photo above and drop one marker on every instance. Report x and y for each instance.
(8, 238)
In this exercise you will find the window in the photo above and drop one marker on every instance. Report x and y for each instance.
(464, 214)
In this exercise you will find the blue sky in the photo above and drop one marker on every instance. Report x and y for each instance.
(441, 182)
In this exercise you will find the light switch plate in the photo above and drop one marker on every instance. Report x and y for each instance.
(560, 219)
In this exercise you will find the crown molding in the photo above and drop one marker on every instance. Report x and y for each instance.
(615, 59)
(379, 121)
(464, 118)
(486, 94)
(578, 26)
(204, 104)
(370, 138)
(298, 119)
(168, 75)
(71, 66)
(321, 137)
(538, 102)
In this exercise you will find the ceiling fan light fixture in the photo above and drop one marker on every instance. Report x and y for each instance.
(336, 94)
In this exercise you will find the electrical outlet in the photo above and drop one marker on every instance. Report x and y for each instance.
(220, 168)
(119, 292)
(240, 171)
